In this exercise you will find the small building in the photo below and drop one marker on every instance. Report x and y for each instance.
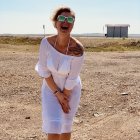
(117, 30)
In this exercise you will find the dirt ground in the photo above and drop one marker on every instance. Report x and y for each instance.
(110, 101)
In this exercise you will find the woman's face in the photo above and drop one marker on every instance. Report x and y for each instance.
(64, 23)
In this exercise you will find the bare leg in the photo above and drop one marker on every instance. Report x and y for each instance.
(65, 136)
(53, 137)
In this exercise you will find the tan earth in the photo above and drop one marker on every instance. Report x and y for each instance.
(110, 101)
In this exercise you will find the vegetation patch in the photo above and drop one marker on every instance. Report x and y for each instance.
(112, 48)
(91, 44)
(17, 40)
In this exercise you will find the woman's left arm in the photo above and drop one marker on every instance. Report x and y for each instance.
(72, 79)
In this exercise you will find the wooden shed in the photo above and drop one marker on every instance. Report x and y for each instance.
(117, 30)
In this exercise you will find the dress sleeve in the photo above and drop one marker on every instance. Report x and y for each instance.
(41, 66)
(75, 69)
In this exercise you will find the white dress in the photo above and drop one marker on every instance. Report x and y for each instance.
(65, 70)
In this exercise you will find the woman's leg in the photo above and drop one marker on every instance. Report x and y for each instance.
(68, 118)
(51, 114)
(65, 136)
(53, 137)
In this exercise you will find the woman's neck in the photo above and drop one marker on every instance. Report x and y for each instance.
(62, 41)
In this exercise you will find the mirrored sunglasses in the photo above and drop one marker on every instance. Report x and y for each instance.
(62, 18)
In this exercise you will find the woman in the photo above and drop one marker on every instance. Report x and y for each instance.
(60, 60)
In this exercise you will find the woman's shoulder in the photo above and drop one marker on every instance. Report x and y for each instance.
(51, 39)
(46, 41)
(76, 47)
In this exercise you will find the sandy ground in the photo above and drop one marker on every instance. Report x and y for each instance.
(110, 102)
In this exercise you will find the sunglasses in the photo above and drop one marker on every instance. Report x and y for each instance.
(62, 18)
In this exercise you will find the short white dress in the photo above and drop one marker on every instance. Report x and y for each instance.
(65, 71)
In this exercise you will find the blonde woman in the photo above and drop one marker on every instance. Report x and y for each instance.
(60, 61)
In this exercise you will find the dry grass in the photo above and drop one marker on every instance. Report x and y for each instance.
(19, 40)
(91, 44)
(21, 44)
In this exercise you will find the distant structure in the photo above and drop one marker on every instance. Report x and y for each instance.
(44, 29)
(117, 30)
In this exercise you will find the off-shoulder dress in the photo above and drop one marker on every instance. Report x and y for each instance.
(65, 71)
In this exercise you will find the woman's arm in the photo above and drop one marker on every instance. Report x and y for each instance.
(72, 78)
(62, 98)
(52, 85)
(43, 71)
(75, 68)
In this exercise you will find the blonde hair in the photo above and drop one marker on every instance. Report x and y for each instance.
(60, 10)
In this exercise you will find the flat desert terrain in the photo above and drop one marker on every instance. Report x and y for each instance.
(110, 100)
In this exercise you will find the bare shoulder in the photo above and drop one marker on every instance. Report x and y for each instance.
(76, 48)
(51, 39)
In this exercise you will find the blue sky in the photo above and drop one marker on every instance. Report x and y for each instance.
(28, 16)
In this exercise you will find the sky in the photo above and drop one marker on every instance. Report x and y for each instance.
(29, 16)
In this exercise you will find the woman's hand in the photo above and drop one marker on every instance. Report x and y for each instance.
(64, 101)
(67, 92)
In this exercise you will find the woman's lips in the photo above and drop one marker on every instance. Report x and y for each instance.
(64, 28)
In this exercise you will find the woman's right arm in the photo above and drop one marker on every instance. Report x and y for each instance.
(41, 66)
(43, 71)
